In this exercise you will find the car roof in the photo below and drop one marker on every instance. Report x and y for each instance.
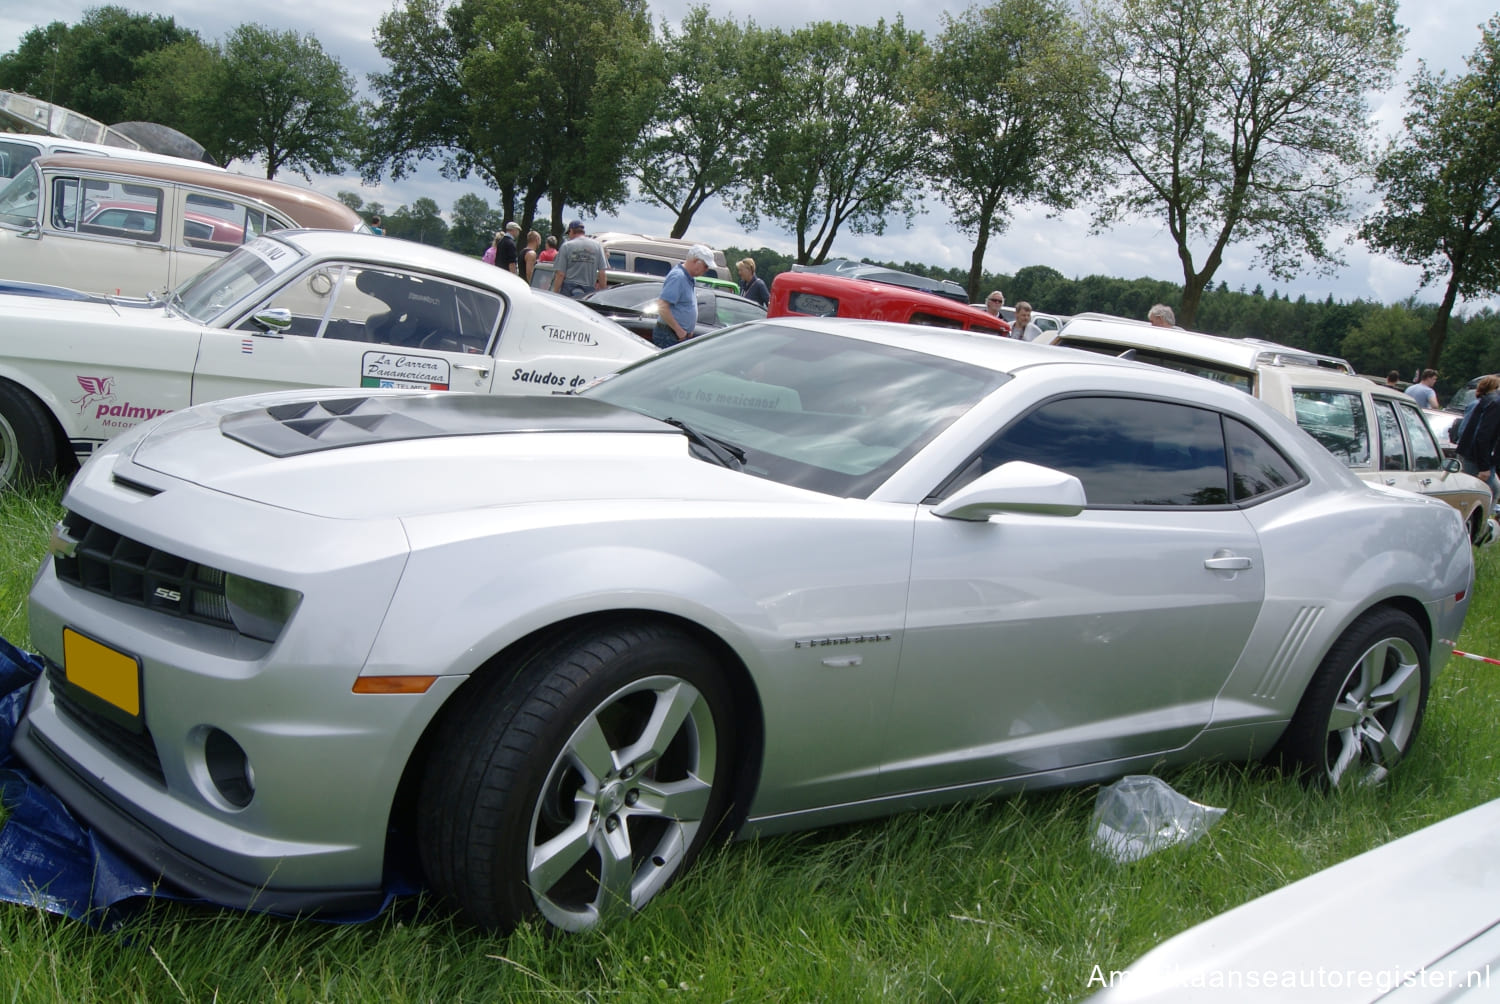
(1242, 353)
(393, 251)
(306, 207)
(62, 144)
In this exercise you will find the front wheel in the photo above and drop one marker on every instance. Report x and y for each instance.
(28, 446)
(580, 788)
(1363, 707)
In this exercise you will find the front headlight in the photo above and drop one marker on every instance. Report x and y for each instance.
(259, 609)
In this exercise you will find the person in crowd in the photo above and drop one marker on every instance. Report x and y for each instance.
(752, 286)
(375, 227)
(1478, 438)
(1023, 327)
(490, 252)
(1422, 391)
(1161, 315)
(549, 251)
(580, 264)
(507, 255)
(677, 309)
(994, 302)
(1393, 379)
(530, 257)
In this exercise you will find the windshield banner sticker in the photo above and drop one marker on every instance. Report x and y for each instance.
(389, 369)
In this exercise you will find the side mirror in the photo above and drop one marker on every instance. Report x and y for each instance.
(1015, 487)
(273, 320)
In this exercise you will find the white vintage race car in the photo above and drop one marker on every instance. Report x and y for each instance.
(293, 309)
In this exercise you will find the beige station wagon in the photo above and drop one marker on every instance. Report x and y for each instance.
(1380, 434)
(111, 225)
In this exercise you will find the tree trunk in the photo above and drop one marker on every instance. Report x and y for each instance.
(976, 261)
(1194, 283)
(1437, 335)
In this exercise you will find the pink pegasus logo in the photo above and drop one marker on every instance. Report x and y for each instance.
(95, 389)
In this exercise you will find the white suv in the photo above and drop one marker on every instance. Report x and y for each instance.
(1378, 432)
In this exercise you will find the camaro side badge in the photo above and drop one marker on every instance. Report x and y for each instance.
(848, 639)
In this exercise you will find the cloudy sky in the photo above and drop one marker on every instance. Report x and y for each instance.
(1440, 32)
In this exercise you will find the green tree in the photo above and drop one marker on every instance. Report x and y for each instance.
(419, 222)
(1240, 120)
(93, 66)
(1441, 184)
(536, 96)
(178, 87)
(474, 224)
(351, 199)
(283, 99)
(1006, 93)
(1386, 338)
(850, 155)
(709, 116)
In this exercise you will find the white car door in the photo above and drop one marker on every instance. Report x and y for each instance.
(354, 325)
(97, 234)
(1036, 642)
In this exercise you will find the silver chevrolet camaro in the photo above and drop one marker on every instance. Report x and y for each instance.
(795, 573)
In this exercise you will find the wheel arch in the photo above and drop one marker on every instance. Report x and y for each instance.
(513, 658)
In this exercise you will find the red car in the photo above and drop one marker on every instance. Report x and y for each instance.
(805, 293)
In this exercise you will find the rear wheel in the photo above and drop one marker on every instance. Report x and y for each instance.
(1361, 711)
(580, 788)
(28, 443)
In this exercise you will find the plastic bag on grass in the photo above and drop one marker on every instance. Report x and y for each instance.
(1140, 814)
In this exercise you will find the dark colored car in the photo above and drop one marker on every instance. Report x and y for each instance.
(634, 307)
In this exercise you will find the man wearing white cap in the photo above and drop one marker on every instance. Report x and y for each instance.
(506, 253)
(678, 306)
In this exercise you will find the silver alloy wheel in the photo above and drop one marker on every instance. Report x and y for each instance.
(1378, 707)
(622, 802)
(10, 453)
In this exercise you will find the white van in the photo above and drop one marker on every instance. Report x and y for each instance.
(652, 255)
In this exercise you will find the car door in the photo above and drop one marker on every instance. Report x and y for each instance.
(1411, 459)
(356, 325)
(94, 233)
(1040, 642)
(212, 224)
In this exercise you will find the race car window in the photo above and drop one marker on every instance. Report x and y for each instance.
(348, 302)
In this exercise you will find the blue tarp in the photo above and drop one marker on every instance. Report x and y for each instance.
(50, 860)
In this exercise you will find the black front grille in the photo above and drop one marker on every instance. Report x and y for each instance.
(137, 749)
(102, 561)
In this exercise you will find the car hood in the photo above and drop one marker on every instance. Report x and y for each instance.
(1438, 917)
(363, 455)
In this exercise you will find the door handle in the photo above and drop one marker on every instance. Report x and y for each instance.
(1223, 561)
(481, 370)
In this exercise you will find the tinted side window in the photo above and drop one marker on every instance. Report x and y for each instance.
(1258, 468)
(651, 266)
(1126, 451)
(1336, 419)
(15, 156)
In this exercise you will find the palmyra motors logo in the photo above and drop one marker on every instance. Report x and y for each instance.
(98, 403)
(95, 389)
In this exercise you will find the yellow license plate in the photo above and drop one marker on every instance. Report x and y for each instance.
(111, 676)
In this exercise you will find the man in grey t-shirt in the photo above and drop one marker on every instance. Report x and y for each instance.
(580, 264)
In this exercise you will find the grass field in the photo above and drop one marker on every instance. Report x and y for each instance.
(997, 901)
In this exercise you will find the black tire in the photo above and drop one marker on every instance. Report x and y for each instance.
(539, 798)
(1363, 708)
(28, 442)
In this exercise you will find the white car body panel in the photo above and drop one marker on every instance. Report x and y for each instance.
(101, 365)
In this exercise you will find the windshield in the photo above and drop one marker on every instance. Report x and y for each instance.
(19, 200)
(811, 409)
(230, 280)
